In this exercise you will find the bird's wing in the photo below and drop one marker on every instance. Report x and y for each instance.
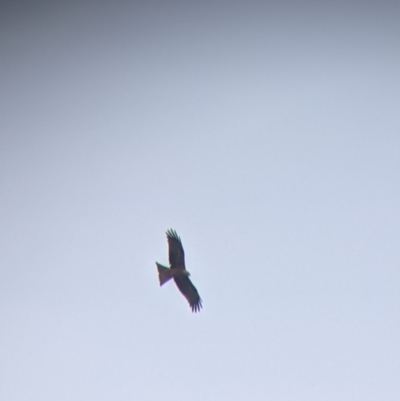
(175, 250)
(189, 291)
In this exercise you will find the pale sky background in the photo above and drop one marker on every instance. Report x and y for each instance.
(266, 133)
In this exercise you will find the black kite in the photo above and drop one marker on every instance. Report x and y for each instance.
(178, 272)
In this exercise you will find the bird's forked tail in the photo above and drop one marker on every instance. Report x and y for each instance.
(164, 274)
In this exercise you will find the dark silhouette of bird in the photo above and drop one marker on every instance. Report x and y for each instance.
(178, 272)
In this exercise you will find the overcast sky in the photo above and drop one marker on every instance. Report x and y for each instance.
(267, 134)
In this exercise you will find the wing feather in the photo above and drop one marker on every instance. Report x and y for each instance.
(189, 291)
(175, 250)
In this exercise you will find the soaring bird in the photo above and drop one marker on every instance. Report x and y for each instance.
(178, 272)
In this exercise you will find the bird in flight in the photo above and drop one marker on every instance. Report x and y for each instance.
(178, 272)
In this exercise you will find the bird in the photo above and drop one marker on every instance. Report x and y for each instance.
(178, 272)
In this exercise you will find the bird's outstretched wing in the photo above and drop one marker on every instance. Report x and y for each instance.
(175, 250)
(189, 291)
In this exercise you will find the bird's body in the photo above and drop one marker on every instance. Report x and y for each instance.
(165, 273)
(178, 272)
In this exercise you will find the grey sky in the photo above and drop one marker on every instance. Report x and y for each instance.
(267, 135)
